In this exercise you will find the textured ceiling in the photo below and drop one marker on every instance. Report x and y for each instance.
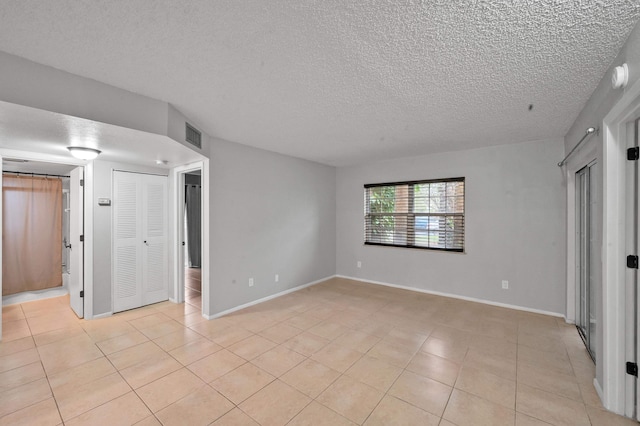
(335, 81)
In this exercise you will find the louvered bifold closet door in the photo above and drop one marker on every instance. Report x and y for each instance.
(127, 233)
(154, 250)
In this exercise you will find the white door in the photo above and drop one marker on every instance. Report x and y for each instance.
(127, 239)
(154, 251)
(140, 265)
(76, 234)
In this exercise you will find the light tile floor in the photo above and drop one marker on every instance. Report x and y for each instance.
(193, 287)
(337, 353)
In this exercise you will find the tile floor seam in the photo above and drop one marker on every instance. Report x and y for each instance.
(223, 395)
(53, 395)
(31, 405)
(444, 409)
(329, 408)
(374, 408)
(125, 381)
(409, 402)
(246, 414)
(37, 402)
(311, 401)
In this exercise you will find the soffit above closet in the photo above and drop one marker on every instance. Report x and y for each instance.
(43, 132)
(340, 82)
(37, 167)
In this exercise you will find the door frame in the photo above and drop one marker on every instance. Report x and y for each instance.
(590, 171)
(88, 216)
(80, 190)
(615, 318)
(177, 180)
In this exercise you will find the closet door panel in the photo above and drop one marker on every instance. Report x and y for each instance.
(155, 259)
(127, 233)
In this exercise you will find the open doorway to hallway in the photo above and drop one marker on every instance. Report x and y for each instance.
(191, 230)
(192, 240)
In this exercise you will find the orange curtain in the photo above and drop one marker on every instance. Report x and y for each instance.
(31, 233)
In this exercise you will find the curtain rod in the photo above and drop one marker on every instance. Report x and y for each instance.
(33, 174)
(590, 131)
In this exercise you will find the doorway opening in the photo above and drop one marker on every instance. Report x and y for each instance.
(191, 262)
(586, 232)
(192, 240)
(47, 262)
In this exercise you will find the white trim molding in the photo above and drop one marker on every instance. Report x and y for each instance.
(613, 250)
(598, 388)
(177, 193)
(88, 241)
(456, 296)
(104, 315)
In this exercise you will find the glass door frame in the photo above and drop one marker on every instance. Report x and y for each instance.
(585, 232)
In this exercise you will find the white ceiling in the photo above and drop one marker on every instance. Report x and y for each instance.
(55, 169)
(336, 81)
(49, 134)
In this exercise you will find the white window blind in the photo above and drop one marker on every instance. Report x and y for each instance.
(418, 214)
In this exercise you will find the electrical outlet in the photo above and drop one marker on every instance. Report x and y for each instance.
(250, 282)
(277, 278)
(505, 285)
(359, 264)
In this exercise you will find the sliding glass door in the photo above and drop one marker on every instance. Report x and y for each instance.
(586, 319)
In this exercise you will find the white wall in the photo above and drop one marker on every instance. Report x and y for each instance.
(270, 214)
(515, 228)
(256, 196)
(39, 86)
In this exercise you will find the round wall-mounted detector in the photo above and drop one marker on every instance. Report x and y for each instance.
(620, 76)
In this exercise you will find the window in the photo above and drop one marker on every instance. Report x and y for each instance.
(419, 214)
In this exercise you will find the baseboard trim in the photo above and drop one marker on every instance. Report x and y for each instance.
(598, 389)
(104, 315)
(455, 296)
(264, 299)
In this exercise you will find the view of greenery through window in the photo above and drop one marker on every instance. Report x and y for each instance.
(425, 214)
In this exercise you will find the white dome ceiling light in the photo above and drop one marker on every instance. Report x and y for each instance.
(83, 153)
(620, 76)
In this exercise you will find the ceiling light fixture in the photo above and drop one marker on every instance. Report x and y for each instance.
(83, 153)
(162, 162)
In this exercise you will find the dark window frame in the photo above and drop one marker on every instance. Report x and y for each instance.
(404, 223)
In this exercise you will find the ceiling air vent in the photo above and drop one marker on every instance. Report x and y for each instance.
(194, 136)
